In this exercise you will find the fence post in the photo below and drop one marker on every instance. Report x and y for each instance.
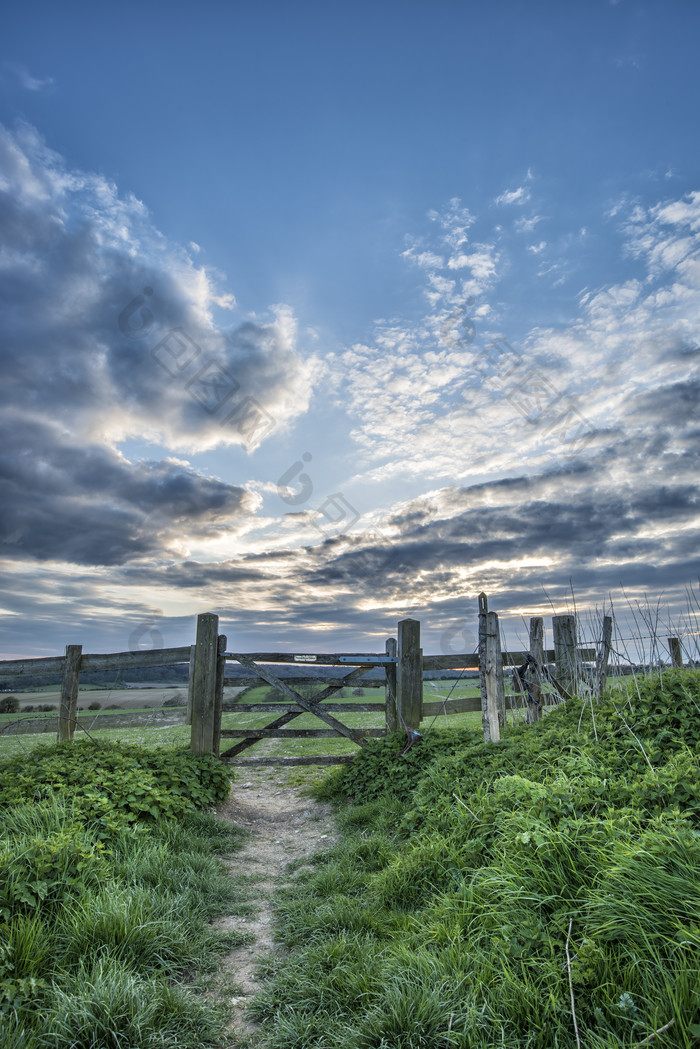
(190, 685)
(674, 647)
(601, 663)
(409, 674)
(219, 693)
(204, 688)
(493, 701)
(534, 710)
(391, 715)
(68, 708)
(565, 655)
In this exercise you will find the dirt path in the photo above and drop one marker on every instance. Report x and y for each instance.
(285, 825)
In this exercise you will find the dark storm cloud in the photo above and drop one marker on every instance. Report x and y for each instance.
(89, 505)
(88, 292)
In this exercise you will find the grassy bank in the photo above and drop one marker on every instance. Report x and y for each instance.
(541, 892)
(109, 876)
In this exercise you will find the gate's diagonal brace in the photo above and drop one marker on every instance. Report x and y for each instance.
(349, 679)
(252, 740)
(355, 735)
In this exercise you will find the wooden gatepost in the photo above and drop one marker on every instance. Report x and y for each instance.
(567, 657)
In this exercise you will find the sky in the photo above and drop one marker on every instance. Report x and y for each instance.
(322, 315)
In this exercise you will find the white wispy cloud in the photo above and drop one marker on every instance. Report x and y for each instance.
(25, 79)
(524, 225)
(521, 195)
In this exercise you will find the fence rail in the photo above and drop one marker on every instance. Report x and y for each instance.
(402, 662)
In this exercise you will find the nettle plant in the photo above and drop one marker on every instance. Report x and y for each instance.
(110, 783)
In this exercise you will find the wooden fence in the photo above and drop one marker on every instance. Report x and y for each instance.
(538, 675)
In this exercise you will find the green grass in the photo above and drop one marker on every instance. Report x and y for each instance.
(477, 888)
(106, 900)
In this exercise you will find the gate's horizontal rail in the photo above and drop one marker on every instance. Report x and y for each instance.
(257, 682)
(325, 759)
(470, 661)
(299, 733)
(371, 659)
(287, 708)
(453, 706)
(156, 657)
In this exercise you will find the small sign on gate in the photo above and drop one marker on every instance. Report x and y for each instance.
(305, 659)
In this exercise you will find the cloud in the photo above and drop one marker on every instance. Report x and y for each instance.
(527, 225)
(521, 195)
(426, 396)
(89, 505)
(25, 78)
(106, 334)
(92, 290)
(515, 506)
(593, 525)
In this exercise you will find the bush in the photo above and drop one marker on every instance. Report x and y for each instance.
(173, 701)
(94, 706)
(112, 783)
(9, 705)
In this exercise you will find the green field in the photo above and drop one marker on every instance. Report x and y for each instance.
(177, 735)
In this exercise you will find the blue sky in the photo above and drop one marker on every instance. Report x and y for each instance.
(443, 257)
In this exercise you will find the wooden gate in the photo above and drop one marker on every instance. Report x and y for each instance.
(401, 703)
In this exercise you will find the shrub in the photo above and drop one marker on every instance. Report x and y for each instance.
(94, 705)
(113, 782)
(9, 705)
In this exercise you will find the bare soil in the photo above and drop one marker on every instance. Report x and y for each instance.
(285, 825)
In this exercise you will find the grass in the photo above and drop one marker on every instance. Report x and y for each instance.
(105, 935)
(483, 895)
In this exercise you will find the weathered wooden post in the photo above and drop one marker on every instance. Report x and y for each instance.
(68, 707)
(391, 714)
(409, 675)
(204, 687)
(219, 693)
(674, 647)
(190, 685)
(601, 663)
(565, 655)
(493, 700)
(534, 710)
